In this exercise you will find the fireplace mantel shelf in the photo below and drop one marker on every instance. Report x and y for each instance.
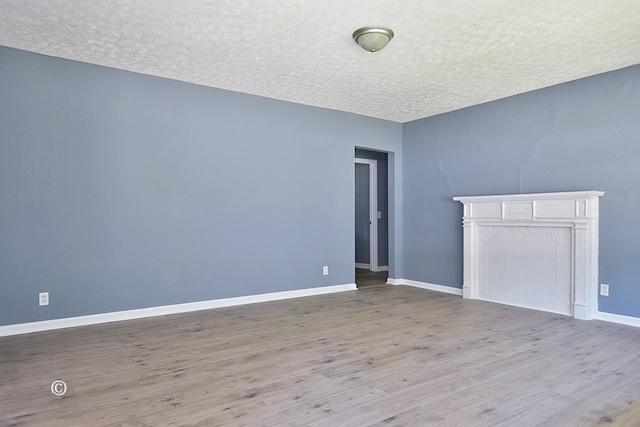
(535, 196)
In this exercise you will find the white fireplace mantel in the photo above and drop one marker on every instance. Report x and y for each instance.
(570, 218)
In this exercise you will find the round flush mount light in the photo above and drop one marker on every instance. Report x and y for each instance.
(373, 39)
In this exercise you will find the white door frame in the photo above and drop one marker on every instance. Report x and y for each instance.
(373, 211)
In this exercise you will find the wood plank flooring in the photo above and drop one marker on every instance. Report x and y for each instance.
(382, 356)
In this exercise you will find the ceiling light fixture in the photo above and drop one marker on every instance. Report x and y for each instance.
(373, 39)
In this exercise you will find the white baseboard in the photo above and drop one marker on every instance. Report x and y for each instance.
(425, 285)
(361, 265)
(600, 315)
(618, 318)
(70, 322)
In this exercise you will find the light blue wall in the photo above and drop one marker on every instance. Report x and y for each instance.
(582, 135)
(121, 191)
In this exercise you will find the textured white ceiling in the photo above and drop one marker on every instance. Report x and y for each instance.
(446, 55)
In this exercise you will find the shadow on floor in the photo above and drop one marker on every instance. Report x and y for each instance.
(369, 279)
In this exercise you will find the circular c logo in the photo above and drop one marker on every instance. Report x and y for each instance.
(59, 388)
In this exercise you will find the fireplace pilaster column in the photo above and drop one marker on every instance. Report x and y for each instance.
(469, 280)
(580, 273)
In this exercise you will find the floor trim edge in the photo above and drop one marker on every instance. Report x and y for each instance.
(425, 285)
(116, 316)
(618, 318)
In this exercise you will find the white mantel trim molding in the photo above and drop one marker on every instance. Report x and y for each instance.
(93, 319)
(578, 210)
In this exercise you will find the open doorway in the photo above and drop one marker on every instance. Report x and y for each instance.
(371, 218)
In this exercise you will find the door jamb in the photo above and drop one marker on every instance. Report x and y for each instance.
(373, 211)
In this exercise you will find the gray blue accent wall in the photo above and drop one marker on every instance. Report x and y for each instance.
(122, 191)
(582, 135)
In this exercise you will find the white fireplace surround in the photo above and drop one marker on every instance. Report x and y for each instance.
(569, 219)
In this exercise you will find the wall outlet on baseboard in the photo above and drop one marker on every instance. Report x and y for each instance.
(604, 289)
(43, 298)
(325, 270)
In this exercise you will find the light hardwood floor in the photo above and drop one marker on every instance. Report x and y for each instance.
(385, 356)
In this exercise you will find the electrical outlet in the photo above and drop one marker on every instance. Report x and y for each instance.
(604, 289)
(325, 270)
(43, 298)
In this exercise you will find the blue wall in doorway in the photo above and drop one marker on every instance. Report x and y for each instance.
(383, 201)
